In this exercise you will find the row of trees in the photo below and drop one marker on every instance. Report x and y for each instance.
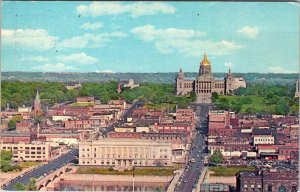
(22, 93)
(31, 186)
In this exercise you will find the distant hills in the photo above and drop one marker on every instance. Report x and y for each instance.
(139, 77)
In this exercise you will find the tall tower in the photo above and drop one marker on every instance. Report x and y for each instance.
(37, 104)
(204, 82)
(229, 83)
(119, 88)
(179, 82)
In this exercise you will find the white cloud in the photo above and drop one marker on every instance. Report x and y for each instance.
(57, 67)
(279, 69)
(39, 59)
(148, 33)
(185, 41)
(37, 39)
(90, 40)
(91, 26)
(77, 58)
(249, 32)
(228, 65)
(134, 9)
(105, 71)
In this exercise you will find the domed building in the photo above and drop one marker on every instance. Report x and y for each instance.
(205, 84)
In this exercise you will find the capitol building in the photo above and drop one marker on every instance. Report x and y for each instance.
(205, 84)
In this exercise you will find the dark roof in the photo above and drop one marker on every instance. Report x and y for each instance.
(257, 131)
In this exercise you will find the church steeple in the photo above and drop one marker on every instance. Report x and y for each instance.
(37, 97)
(37, 104)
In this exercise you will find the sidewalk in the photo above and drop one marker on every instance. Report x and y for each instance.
(201, 179)
(175, 180)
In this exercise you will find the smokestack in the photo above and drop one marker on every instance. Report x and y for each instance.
(38, 130)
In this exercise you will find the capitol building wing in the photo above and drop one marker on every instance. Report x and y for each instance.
(205, 84)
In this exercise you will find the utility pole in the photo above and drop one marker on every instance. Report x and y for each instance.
(133, 182)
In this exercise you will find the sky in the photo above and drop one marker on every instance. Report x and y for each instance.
(149, 36)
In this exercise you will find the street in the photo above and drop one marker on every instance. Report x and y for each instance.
(191, 174)
(123, 119)
(44, 169)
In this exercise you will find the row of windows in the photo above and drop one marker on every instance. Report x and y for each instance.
(119, 162)
(124, 156)
(26, 148)
(27, 157)
(264, 140)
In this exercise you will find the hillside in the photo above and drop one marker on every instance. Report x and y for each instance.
(138, 77)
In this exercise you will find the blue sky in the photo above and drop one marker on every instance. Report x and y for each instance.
(149, 36)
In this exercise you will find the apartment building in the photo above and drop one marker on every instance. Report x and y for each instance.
(28, 151)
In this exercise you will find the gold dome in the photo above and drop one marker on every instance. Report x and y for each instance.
(205, 61)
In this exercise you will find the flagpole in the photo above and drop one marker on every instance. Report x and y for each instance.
(133, 182)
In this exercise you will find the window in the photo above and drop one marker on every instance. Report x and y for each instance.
(270, 188)
(294, 188)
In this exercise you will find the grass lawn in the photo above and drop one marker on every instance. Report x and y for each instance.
(137, 171)
(86, 104)
(257, 103)
(28, 164)
(229, 171)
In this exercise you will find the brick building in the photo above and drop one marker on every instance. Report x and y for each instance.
(185, 115)
(273, 180)
(85, 100)
(17, 137)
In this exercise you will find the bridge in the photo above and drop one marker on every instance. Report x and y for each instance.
(44, 181)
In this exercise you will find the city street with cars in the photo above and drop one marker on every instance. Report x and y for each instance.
(195, 163)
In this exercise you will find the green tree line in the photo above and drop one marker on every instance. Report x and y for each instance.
(261, 98)
(20, 93)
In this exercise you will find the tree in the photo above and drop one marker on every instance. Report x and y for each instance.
(31, 186)
(214, 96)
(19, 187)
(6, 155)
(251, 110)
(12, 122)
(282, 108)
(216, 157)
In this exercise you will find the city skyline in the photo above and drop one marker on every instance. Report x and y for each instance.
(149, 37)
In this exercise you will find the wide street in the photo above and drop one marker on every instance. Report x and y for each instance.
(44, 169)
(192, 170)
